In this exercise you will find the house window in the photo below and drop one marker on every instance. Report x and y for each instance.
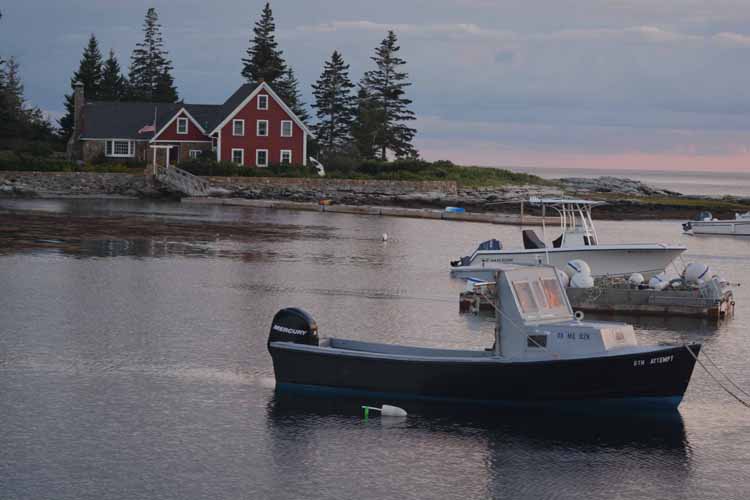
(119, 148)
(262, 101)
(238, 156)
(238, 127)
(261, 128)
(182, 126)
(261, 157)
(286, 128)
(195, 153)
(286, 156)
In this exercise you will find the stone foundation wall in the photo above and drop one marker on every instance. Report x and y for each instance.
(50, 184)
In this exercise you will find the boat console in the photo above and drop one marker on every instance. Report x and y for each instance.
(535, 319)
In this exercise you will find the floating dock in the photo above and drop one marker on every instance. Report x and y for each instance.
(688, 302)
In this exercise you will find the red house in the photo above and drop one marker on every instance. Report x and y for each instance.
(253, 128)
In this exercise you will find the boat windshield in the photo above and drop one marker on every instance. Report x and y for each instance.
(540, 298)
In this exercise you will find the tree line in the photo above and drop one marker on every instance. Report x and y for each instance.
(18, 120)
(367, 120)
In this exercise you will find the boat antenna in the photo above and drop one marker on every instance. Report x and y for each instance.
(544, 233)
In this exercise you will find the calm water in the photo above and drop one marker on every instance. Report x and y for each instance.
(133, 365)
(686, 182)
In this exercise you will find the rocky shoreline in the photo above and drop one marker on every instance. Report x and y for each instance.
(626, 198)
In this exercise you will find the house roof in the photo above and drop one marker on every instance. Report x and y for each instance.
(123, 120)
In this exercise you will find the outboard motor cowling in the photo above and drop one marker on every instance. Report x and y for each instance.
(293, 325)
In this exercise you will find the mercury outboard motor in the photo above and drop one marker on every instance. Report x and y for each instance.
(293, 325)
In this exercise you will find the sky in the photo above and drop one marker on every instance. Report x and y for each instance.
(605, 84)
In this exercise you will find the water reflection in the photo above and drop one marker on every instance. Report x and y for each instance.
(530, 453)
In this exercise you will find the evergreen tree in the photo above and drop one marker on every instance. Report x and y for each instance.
(17, 121)
(264, 59)
(149, 75)
(287, 87)
(90, 74)
(113, 85)
(386, 86)
(366, 129)
(335, 105)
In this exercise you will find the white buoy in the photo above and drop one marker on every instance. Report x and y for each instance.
(636, 279)
(696, 273)
(576, 266)
(386, 411)
(658, 282)
(582, 280)
(385, 236)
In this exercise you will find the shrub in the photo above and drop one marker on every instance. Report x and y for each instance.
(17, 161)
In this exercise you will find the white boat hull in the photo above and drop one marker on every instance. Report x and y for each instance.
(604, 260)
(729, 227)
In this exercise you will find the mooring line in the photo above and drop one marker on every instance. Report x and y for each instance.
(705, 354)
(718, 382)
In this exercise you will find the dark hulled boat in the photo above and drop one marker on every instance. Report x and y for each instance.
(542, 356)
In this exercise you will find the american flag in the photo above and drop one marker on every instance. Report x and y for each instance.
(147, 128)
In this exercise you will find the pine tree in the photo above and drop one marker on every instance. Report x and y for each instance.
(90, 74)
(386, 86)
(113, 85)
(17, 121)
(149, 75)
(366, 129)
(264, 59)
(287, 88)
(335, 105)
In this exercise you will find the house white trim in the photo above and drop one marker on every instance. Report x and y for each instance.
(218, 146)
(235, 122)
(174, 117)
(257, 151)
(266, 99)
(113, 154)
(177, 140)
(304, 151)
(291, 128)
(242, 161)
(281, 156)
(180, 121)
(269, 90)
(257, 128)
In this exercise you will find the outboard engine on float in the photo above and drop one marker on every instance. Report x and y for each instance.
(293, 325)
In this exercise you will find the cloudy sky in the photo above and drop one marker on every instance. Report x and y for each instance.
(554, 83)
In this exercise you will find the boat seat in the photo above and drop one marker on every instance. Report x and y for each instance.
(557, 242)
(531, 240)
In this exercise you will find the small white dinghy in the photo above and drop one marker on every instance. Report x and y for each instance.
(704, 223)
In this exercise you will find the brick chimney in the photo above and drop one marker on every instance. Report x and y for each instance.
(79, 99)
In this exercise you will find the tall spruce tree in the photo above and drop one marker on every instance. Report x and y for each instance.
(366, 129)
(386, 86)
(17, 120)
(90, 74)
(264, 59)
(287, 87)
(113, 85)
(335, 106)
(149, 75)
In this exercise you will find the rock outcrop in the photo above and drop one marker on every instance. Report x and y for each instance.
(614, 185)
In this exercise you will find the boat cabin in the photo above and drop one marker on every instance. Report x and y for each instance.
(535, 319)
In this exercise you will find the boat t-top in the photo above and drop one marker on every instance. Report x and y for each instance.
(542, 355)
(704, 223)
(577, 239)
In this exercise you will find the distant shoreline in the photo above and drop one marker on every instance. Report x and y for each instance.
(427, 199)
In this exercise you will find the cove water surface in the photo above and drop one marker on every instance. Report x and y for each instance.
(133, 364)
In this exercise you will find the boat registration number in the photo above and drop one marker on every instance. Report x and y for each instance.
(654, 361)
